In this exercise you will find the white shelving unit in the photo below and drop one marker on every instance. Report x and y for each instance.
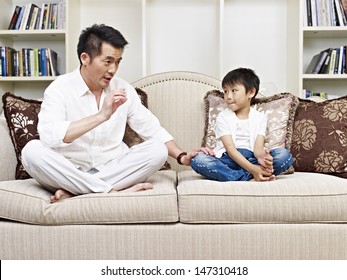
(58, 40)
(313, 40)
(206, 36)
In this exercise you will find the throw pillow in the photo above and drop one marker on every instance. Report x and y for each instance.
(279, 108)
(319, 142)
(131, 138)
(21, 115)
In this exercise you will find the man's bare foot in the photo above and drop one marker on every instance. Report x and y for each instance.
(136, 188)
(60, 195)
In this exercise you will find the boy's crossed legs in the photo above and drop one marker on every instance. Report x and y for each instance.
(225, 169)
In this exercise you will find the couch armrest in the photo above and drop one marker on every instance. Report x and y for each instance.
(8, 159)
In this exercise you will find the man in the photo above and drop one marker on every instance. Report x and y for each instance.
(82, 123)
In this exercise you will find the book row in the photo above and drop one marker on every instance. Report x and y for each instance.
(31, 16)
(28, 62)
(325, 13)
(329, 61)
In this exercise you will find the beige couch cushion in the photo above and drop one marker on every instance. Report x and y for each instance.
(28, 202)
(298, 198)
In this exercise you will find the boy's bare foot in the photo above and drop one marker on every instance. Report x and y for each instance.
(272, 178)
(60, 195)
(136, 188)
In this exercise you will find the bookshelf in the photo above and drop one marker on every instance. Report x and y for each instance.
(59, 40)
(312, 40)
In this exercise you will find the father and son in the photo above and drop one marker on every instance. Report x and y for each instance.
(83, 118)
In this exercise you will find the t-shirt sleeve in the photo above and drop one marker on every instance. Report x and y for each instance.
(262, 125)
(222, 126)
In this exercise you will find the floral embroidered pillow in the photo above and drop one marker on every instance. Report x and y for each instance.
(22, 116)
(319, 142)
(279, 108)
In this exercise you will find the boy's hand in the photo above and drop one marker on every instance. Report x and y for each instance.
(265, 160)
(261, 174)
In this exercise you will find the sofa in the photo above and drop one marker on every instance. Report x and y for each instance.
(300, 215)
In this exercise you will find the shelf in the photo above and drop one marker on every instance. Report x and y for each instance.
(325, 32)
(36, 35)
(324, 76)
(28, 79)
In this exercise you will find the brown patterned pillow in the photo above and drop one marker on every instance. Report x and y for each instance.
(280, 109)
(131, 138)
(319, 141)
(21, 115)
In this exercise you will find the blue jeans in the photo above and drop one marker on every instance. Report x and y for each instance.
(225, 169)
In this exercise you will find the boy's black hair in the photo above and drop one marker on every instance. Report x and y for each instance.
(91, 39)
(242, 76)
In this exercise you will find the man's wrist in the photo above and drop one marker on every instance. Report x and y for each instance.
(180, 156)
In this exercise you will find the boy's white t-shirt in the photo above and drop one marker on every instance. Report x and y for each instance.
(226, 124)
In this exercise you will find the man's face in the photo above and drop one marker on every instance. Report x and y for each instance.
(99, 72)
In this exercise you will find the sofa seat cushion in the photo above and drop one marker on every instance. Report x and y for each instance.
(26, 201)
(297, 198)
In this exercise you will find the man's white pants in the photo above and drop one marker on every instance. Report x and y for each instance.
(54, 171)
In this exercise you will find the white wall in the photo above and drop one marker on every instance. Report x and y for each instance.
(255, 37)
(184, 35)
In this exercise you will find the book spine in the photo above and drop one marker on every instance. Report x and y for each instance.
(332, 61)
(19, 19)
(309, 12)
(14, 18)
(43, 61)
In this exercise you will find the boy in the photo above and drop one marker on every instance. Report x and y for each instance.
(240, 154)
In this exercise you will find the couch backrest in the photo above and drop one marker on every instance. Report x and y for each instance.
(7, 155)
(176, 98)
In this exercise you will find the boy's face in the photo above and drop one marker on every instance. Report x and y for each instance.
(236, 97)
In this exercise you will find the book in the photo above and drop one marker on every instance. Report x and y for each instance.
(53, 61)
(308, 13)
(332, 62)
(339, 64)
(325, 67)
(33, 18)
(317, 62)
(338, 12)
(14, 18)
(344, 18)
(322, 12)
(3, 62)
(31, 14)
(344, 5)
(25, 16)
(337, 61)
(19, 19)
(314, 13)
(43, 62)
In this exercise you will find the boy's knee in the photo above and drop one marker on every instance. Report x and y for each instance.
(201, 159)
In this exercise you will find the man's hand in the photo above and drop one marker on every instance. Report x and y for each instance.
(186, 160)
(112, 101)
